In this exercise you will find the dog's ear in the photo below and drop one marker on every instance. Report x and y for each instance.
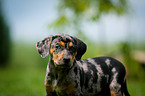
(43, 46)
(81, 48)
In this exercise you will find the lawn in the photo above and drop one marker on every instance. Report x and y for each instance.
(26, 72)
(22, 82)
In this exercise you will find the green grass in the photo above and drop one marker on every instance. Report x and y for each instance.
(136, 88)
(26, 72)
(22, 82)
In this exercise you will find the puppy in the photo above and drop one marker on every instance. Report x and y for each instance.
(69, 75)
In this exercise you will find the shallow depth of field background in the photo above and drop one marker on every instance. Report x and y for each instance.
(110, 28)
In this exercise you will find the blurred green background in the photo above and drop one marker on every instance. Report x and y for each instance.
(108, 27)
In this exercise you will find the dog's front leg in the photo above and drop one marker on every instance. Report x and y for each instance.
(49, 89)
(48, 84)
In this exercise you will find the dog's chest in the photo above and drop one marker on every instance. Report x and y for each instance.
(63, 88)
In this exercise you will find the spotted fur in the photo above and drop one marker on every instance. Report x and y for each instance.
(69, 75)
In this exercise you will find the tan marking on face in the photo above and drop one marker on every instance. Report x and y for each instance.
(70, 44)
(57, 57)
(51, 51)
(62, 43)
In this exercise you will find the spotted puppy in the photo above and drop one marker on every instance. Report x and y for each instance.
(69, 75)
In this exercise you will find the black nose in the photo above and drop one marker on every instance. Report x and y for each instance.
(66, 59)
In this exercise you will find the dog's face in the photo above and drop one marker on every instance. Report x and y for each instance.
(63, 52)
(63, 49)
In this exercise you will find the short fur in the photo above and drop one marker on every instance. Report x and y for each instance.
(69, 75)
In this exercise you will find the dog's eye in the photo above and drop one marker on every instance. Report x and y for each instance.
(58, 47)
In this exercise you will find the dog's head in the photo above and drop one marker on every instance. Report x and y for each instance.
(63, 49)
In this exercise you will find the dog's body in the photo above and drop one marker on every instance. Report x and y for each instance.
(69, 75)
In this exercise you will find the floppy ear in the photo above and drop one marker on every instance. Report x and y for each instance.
(43, 46)
(81, 48)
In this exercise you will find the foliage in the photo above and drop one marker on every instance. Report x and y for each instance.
(93, 8)
(72, 13)
(4, 40)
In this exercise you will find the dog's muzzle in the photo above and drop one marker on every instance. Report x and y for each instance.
(65, 63)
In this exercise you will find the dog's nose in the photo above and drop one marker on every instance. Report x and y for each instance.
(66, 59)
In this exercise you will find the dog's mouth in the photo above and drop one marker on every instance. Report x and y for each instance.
(63, 65)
